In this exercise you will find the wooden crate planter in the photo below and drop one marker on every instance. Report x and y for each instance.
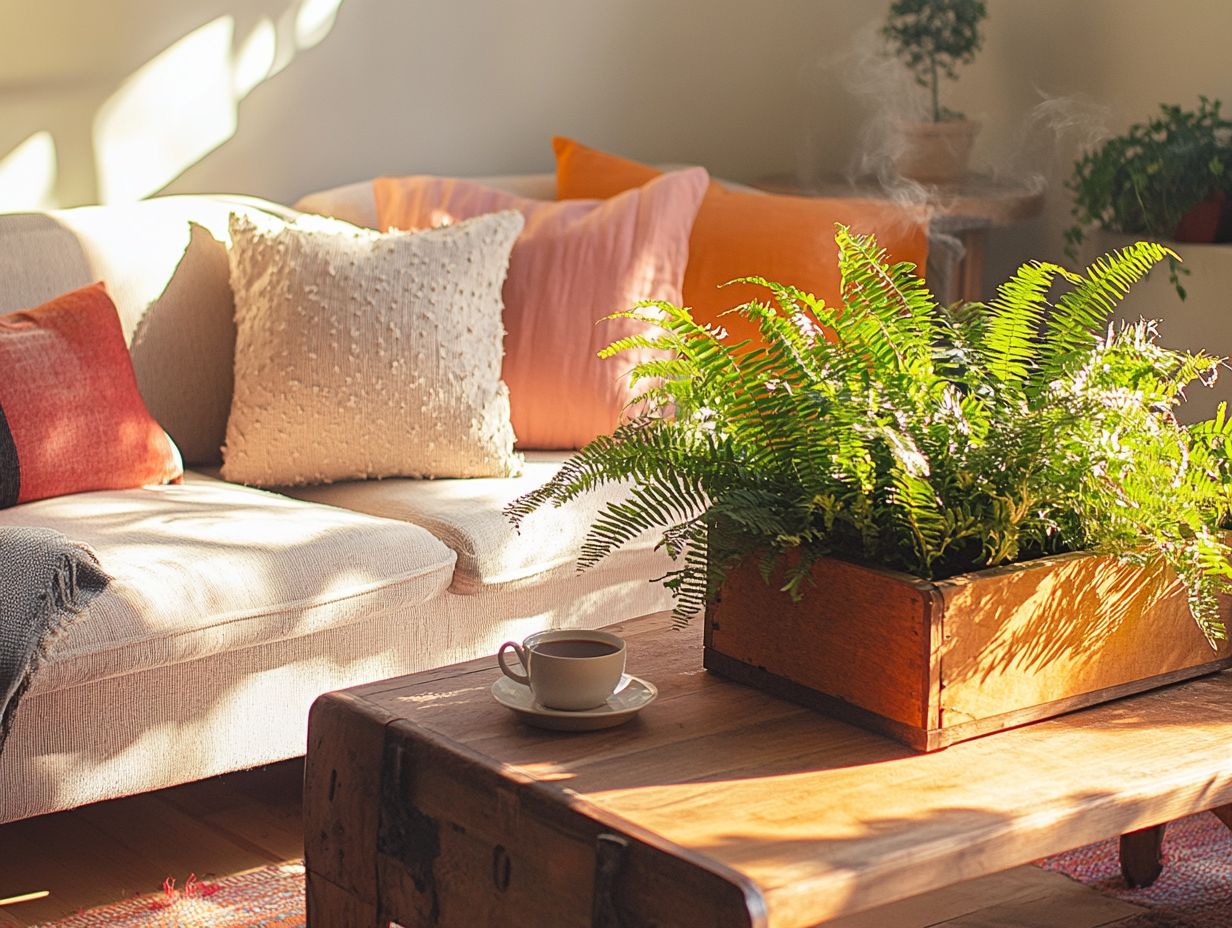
(934, 663)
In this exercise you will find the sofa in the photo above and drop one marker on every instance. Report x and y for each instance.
(231, 608)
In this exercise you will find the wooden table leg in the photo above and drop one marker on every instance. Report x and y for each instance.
(1142, 851)
(1142, 855)
(1225, 814)
(342, 790)
(971, 270)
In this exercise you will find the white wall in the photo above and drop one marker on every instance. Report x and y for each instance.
(451, 86)
(475, 86)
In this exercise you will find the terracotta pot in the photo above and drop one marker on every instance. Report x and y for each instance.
(1202, 222)
(934, 152)
(934, 663)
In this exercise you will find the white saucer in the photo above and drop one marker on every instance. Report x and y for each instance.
(632, 695)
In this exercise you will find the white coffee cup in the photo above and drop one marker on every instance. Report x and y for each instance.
(569, 669)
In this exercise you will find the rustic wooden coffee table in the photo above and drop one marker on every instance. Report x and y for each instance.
(427, 804)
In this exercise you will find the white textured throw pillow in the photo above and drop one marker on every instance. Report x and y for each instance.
(360, 354)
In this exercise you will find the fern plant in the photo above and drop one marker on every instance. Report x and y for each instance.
(891, 430)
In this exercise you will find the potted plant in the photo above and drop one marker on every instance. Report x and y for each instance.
(967, 518)
(933, 37)
(1167, 178)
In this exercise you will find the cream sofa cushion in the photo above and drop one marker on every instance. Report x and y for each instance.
(207, 567)
(366, 355)
(468, 516)
(154, 728)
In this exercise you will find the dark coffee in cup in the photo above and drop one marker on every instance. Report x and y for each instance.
(574, 647)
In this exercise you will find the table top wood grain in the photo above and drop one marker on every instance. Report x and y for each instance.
(824, 819)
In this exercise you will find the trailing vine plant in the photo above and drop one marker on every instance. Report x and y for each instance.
(893, 431)
(1145, 180)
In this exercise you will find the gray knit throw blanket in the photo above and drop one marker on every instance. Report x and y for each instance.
(46, 580)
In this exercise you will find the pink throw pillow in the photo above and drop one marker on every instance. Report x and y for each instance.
(575, 262)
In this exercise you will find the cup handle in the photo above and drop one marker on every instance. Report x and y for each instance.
(505, 669)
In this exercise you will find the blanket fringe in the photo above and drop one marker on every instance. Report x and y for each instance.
(66, 594)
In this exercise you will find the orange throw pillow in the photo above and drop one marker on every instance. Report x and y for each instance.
(574, 264)
(785, 239)
(71, 418)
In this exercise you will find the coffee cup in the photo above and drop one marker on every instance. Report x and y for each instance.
(568, 669)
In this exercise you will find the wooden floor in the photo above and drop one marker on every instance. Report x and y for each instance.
(114, 850)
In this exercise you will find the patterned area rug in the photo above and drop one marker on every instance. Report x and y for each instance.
(272, 897)
(1195, 889)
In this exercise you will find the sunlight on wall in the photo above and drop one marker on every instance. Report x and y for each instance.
(255, 61)
(183, 104)
(314, 20)
(28, 174)
(168, 115)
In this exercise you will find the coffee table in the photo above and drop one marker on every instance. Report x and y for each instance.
(426, 803)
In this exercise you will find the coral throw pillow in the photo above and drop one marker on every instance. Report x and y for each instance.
(574, 264)
(71, 418)
(365, 355)
(785, 239)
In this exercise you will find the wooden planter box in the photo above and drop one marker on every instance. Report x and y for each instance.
(934, 663)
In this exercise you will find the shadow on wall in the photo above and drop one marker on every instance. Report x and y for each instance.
(164, 116)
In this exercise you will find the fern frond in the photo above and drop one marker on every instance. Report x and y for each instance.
(670, 501)
(1009, 336)
(1081, 313)
(890, 312)
(640, 450)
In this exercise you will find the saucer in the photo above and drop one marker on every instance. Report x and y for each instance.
(632, 695)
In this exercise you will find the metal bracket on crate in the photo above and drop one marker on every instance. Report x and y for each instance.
(609, 858)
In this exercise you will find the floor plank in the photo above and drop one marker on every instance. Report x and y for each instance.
(58, 854)
(261, 811)
(1077, 908)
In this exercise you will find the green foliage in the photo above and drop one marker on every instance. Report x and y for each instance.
(933, 37)
(893, 431)
(1144, 181)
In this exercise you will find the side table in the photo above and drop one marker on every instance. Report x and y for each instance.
(966, 210)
